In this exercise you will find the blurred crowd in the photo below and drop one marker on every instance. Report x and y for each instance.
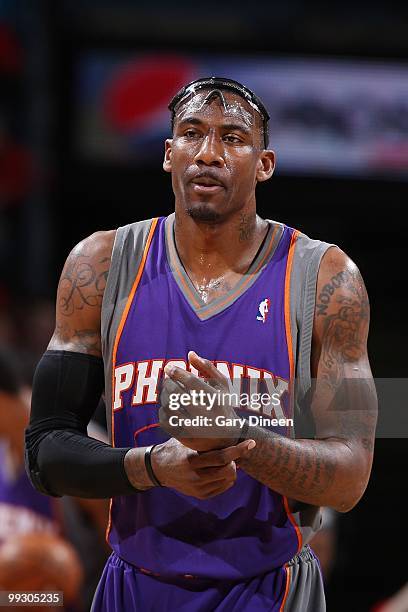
(46, 544)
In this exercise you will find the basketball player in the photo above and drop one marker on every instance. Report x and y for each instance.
(210, 295)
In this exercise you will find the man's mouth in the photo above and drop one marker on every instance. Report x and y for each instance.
(206, 184)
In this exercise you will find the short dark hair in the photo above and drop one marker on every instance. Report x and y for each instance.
(222, 83)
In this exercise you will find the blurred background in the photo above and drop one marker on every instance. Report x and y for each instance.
(83, 95)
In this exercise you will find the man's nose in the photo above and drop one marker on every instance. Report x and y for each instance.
(210, 152)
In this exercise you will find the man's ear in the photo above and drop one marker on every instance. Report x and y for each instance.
(266, 166)
(167, 155)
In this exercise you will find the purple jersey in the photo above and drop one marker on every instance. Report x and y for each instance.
(153, 315)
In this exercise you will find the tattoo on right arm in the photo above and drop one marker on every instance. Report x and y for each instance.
(86, 340)
(79, 300)
(81, 285)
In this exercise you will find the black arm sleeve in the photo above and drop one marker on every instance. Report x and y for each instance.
(60, 458)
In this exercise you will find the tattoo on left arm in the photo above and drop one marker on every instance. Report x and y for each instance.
(345, 330)
(324, 297)
(333, 469)
(301, 469)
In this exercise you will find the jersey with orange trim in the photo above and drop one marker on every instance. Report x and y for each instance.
(152, 314)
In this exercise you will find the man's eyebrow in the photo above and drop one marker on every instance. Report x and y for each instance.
(228, 127)
(192, 120)
(233, 127)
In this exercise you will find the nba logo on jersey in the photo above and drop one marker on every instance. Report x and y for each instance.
(263, 309)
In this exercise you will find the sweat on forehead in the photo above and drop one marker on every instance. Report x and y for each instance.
(233, 105)
(235, 109)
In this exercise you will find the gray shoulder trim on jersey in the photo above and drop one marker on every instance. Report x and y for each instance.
(305, 269)
(306, 262)
(111, 281)
(127, 253)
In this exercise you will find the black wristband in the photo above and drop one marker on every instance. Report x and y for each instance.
(148, 464)
(243, 432)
